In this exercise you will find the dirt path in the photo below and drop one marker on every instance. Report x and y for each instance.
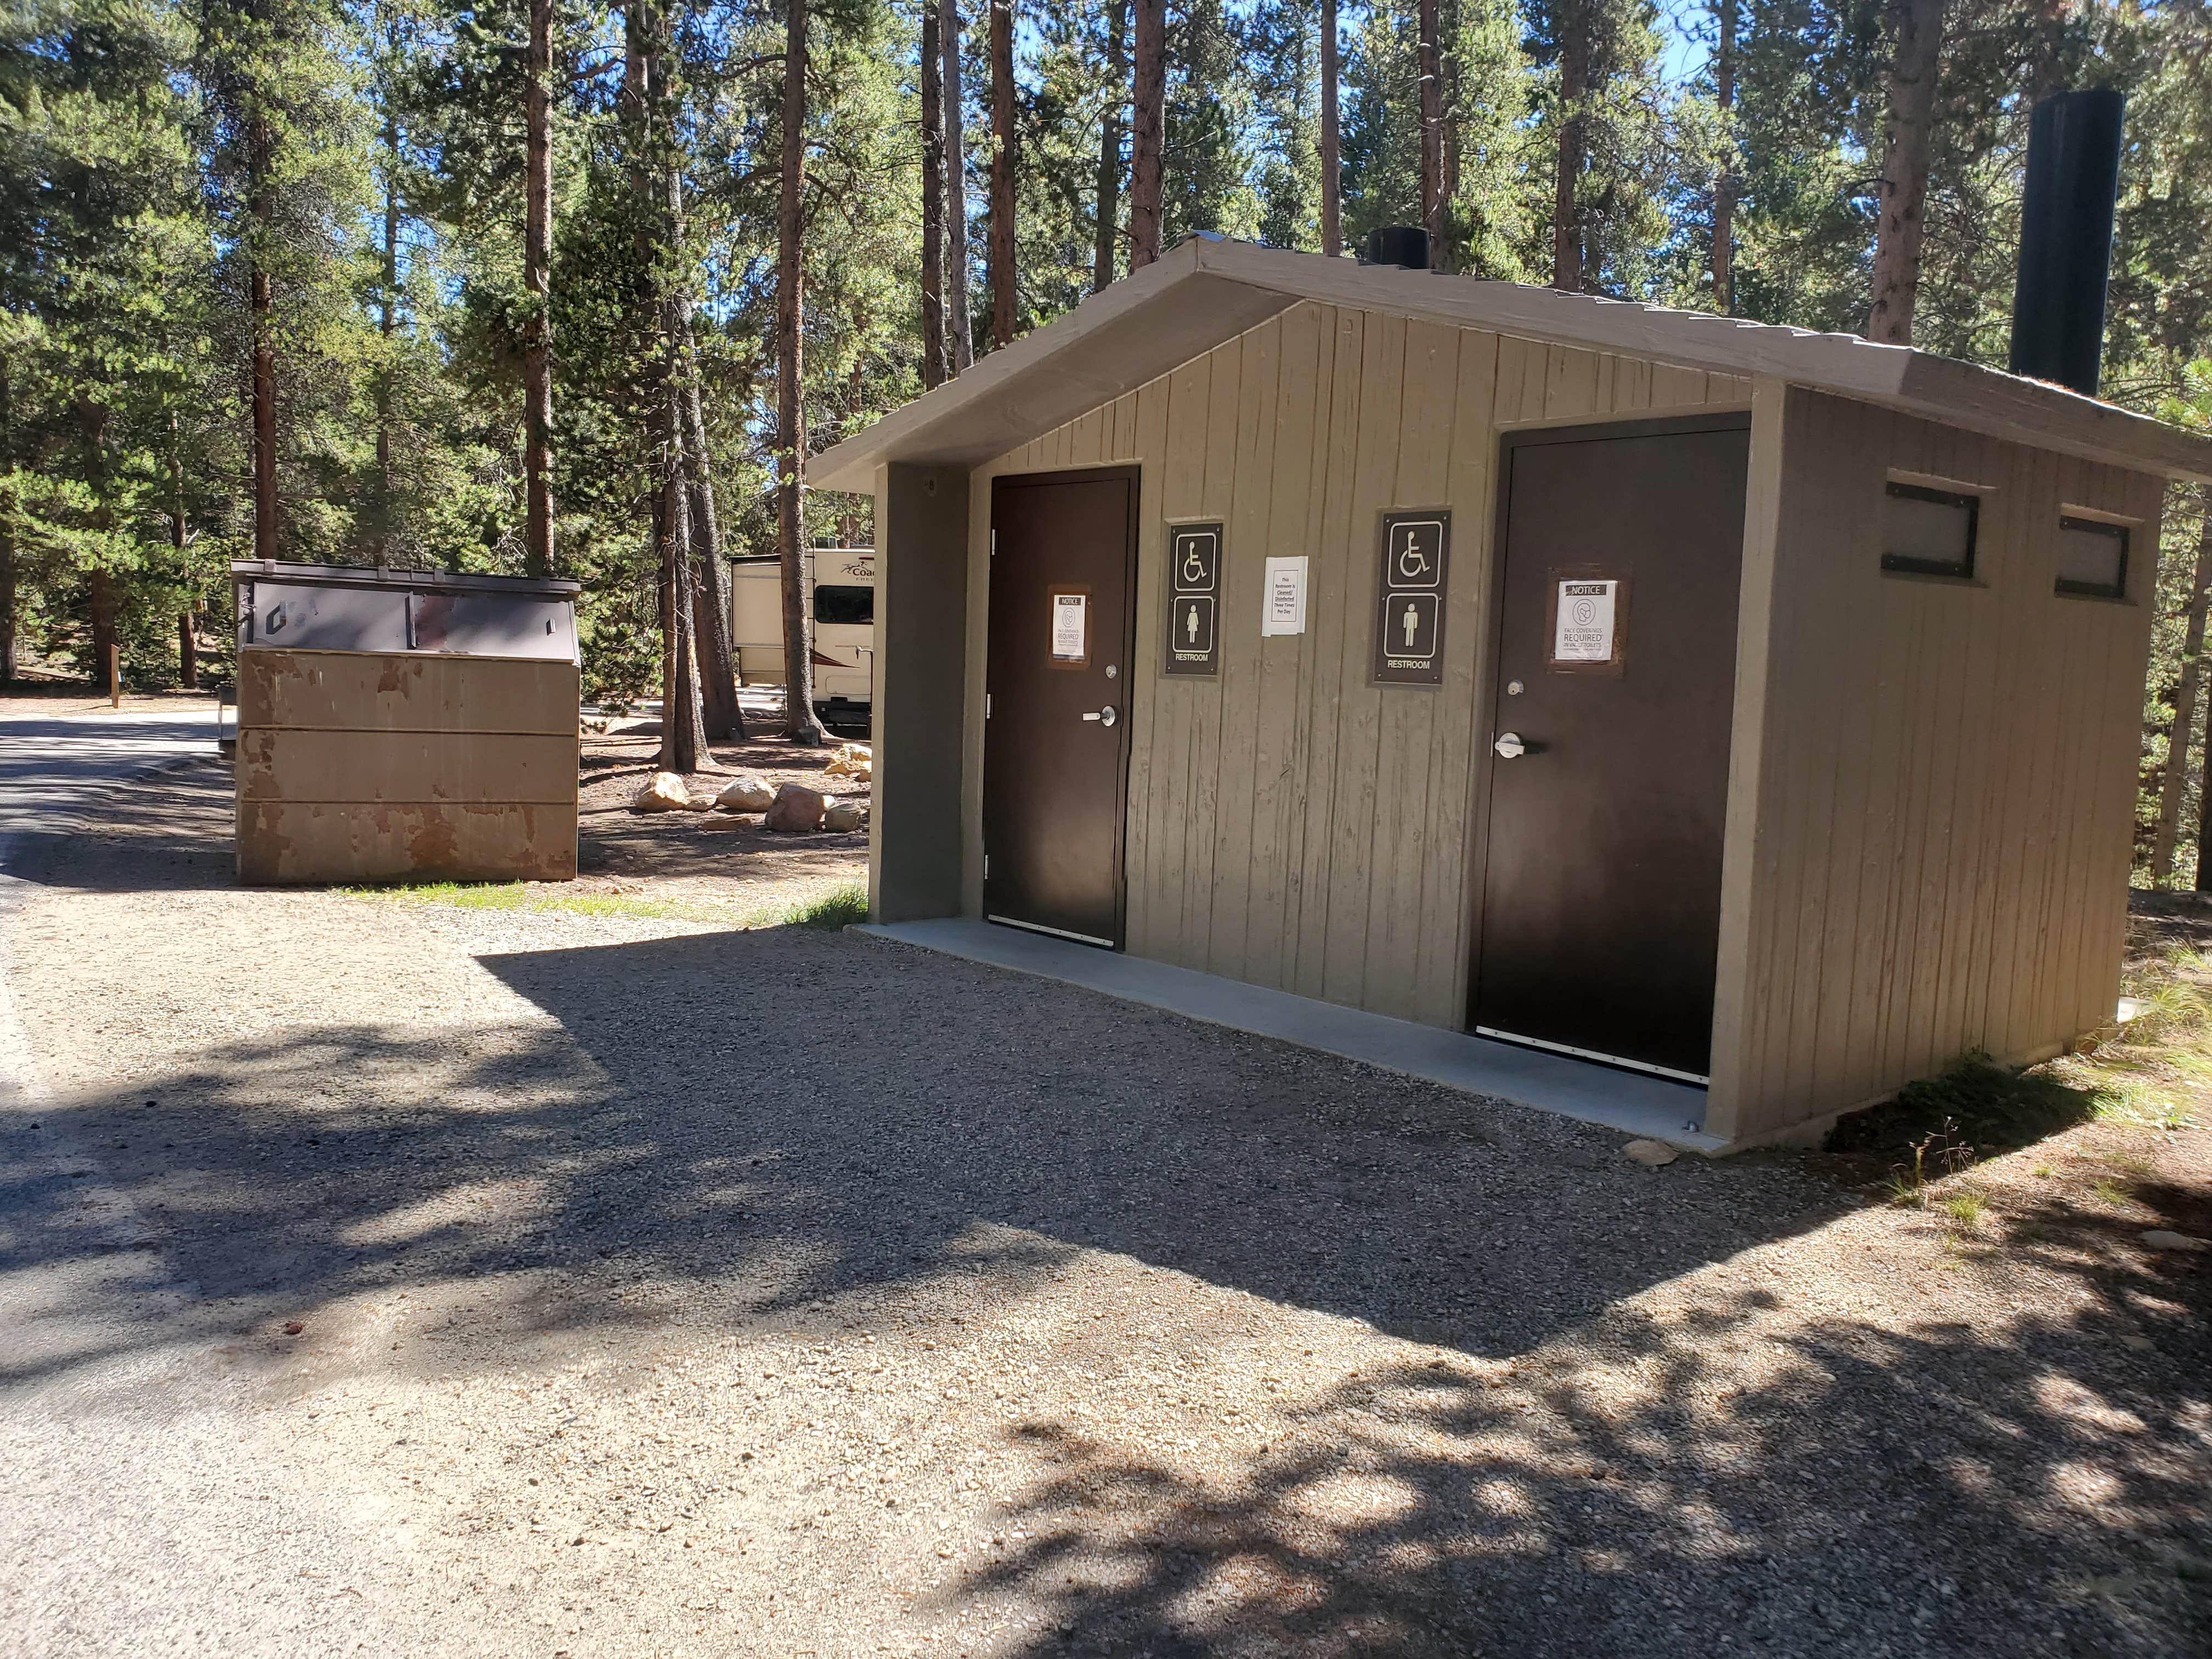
(667, 1290)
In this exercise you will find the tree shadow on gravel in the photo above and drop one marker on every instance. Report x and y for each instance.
(1869, 1492)
(176, 827)
(791, 1116)
(819, 1129)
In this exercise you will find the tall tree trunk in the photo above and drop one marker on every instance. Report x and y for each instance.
(387, 322)
(1566, 207)
(6, 532)
(725, 720)
(933, 199)
(1724, 183)
(683, 720)
(188, 656)
(682, 725)
(1106, 218)
(103, 604)
(1432, 131)
(537, 280)
(101, 598)
(2176, 781)
(8, 590)
(1332, 169)
(1004, 297)
(957, 279)
(1147, 131)
(1904, 186)
(848, 517)
(800, 723)
(259, 161)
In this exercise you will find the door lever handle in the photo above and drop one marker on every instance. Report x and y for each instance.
(1512, 745)
(1105, 716)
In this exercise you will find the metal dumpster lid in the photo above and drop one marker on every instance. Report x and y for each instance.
(412, 582)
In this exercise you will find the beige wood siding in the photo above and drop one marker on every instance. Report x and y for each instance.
(1932, 808)
(370, 766)
(1289, 823)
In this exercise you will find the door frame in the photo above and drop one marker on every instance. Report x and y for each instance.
(1734, 418)
(1133, 472)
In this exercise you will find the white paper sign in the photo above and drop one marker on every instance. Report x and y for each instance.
(1067, 630)
(1283, 597)
(1584, 631)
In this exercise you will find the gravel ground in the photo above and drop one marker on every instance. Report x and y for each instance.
(513, 1282)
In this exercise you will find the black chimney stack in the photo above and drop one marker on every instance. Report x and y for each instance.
(2066, 237)
(1398, 245)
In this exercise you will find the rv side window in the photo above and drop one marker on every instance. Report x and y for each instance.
(1930, 532)
(841, 603)
(2092, 558)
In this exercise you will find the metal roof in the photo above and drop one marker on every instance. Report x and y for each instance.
(1206, 290)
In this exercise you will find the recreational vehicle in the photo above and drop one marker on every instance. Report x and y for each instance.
(841, 582)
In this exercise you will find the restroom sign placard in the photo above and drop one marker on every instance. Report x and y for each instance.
(1411, 590)
(1192, 643)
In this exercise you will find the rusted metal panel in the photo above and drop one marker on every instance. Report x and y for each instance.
(294, 842)
(391, 691)
(279, 764)
(383, 766)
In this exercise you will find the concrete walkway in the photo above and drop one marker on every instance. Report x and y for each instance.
(1628, 1101)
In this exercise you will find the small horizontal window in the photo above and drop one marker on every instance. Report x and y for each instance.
(2092, 558)
(1929, 531)
(844, 604)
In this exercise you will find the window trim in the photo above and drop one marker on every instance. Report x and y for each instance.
(2075, 590)
(1906, 565)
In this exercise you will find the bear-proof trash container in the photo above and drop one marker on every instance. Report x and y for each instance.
(398, 725)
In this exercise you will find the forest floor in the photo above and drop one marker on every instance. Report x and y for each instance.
(434, 1276)
(722, 865)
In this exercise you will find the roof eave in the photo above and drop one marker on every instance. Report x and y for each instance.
(1127, 334)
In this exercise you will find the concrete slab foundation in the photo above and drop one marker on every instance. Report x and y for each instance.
(1627, 1100)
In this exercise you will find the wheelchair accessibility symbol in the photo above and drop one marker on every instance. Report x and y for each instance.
(1197, 559)
(1416, 555)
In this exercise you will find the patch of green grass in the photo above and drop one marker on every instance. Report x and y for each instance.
(2174, 1001)
(2109, 1191)
(1966, 1206)
(843, 905)
(831, 909)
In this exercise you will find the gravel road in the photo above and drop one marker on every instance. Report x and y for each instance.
(387, 1280)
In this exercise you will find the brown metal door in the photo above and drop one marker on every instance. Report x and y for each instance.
(1056, 728)
(1623, 548)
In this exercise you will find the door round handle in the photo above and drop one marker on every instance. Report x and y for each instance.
(1107, 716)
(1510, 746)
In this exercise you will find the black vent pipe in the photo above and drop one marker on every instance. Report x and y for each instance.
(2066, 237)
(1398, 245)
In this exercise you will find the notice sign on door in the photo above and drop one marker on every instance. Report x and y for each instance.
(1589, 613)
(1409, 621)
(1192, 642)
(1070, 627)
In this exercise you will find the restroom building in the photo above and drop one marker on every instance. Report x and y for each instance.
(1747, 707)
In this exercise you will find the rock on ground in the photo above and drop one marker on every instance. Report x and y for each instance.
(665, 792)
(746, 794)
(796, 808)
(846, 816)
